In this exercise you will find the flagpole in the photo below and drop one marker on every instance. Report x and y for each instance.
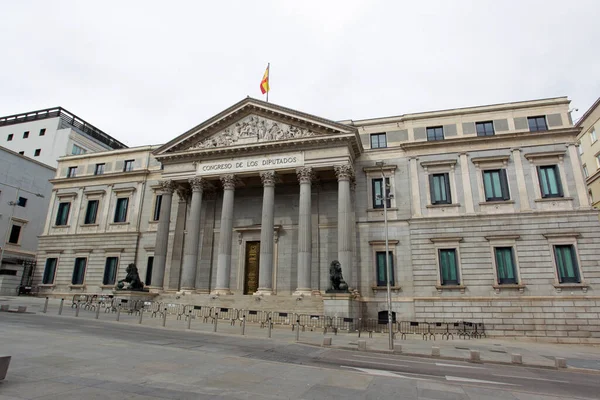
(268, 80)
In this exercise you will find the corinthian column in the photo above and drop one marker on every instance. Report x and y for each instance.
(162, 234)
(305, 175)
(190, 251)
(225, 234)
(344, 173)
(265, 275)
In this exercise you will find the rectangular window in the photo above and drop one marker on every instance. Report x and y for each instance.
(49, 271)
(77, 150)
(72, 172)
(22, 153)
(15, 232)
(495, 185)
(435, 133)
(485, 128)
(110, 271)
(378, 192)
(585, 171)
(79, 271)
(62, 216)
(382, 270)
(378, 141)
(22, 202)
(593, 137)
(91, 212)
(99, 169)
(566, 264)
(580, 148)
(25, 134)
(149, 271)
(10, 137)
(448, 267)
(550, 181)
(128, 165)
(157, 205)
(598, 160)
(121, 209)
(505, 265)
(537, 124)
(42, 131)
(37, 152)
(439, 186)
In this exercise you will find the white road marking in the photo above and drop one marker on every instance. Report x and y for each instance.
(457, 366)
(535, 379)
(459, 379)
(418, 362)
(381, 372)
(373, 362)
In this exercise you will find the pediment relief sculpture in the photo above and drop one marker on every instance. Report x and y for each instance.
(253, 129)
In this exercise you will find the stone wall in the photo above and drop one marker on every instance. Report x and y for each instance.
(572, 319)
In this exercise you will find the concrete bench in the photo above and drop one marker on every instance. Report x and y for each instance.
(4, 362)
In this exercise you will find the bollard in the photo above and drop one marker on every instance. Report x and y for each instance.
(164, 321)
(516, 359)
(475, 356)
(97, 310)
(362, 345)
(435, 351)
(243, 325)
(190, 319)
(118, 311)
(77, 307)
(216, 320)
(269, 326)
(326, 341)
(141, 315)
(560, 362)
(45, 306)
(62, 301)
(297, 330)
(397, 348)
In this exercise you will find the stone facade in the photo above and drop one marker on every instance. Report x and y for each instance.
(490, 220)
(589, 150)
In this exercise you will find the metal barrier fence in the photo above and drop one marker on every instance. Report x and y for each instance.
(313, 322)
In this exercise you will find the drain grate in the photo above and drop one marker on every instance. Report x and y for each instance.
(461, 348)
(498, 351)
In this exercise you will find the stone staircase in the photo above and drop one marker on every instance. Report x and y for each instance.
(284, 303)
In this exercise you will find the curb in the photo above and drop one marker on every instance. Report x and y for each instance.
(419, 355)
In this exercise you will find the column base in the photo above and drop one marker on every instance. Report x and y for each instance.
(219, 292)
(155, 289)
(263, 292)
(303, 292)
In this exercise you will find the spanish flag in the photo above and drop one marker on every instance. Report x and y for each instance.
(264, 84)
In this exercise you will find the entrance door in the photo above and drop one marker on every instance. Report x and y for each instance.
(251, 269)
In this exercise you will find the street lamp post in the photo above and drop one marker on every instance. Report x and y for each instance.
(384, 198)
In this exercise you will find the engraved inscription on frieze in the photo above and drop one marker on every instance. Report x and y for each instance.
(254, 129)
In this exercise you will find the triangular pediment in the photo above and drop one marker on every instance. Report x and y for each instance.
(254, 129)
(254, 122)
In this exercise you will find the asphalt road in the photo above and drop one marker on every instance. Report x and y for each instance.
(496, 381)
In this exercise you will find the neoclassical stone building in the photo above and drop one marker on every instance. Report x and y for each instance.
(489, 218)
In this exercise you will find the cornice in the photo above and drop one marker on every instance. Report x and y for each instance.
(108, 176)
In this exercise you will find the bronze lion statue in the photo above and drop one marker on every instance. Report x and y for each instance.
(336, 278)
(133, 278)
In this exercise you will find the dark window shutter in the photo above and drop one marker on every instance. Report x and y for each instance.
(504, 185)
(431, 189)
(448, 193)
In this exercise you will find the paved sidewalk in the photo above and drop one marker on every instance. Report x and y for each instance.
(494, 350)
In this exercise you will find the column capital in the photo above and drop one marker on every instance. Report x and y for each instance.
(183, 193)
(344, 172)
(197, 183)
(228, 181)
(305, 174)
(268, 178)
(167, 186)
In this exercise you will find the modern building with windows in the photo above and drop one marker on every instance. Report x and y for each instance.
(24, 197)
(45, 135)
(489, 217)
(589, 150)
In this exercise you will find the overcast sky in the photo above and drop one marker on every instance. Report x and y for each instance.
(147, 71)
